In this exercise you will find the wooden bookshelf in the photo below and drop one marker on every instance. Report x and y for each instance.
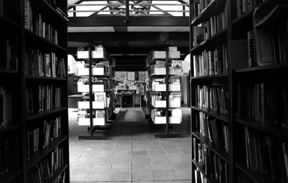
(20, 34)
(257, 117)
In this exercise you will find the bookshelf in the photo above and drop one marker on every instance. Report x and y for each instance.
(34, 131)
(239, 105)
(164, 89)
(96, 85)
(10, 128)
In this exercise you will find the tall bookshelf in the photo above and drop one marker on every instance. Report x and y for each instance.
(10, 121)
(34, 115)
(239, 110)
(97, 86)
(164, 95)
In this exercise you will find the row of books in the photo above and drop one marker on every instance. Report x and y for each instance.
(263, 47)
(254, 52)
(9, 53)
(213, 62)
(35, 23)
(210, 27)
(42, 98)
(216, 131)
(39, 138)
(38, 63)
(210, 164)
(266, 154)
(265, 102)
(272, 46)
(212, 98)
(9, 157)
(243, 6)
(5, 107)
(46, 168)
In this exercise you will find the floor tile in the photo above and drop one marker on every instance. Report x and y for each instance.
(123, 153)
(161, 166)
(140, 153)
(98, 174)
(142, 166)
(164, 175)
(122, 160)
(140, 159)
(78, 176)
(172, 152)
(176, 158)
(157, 152)
(159, 159)
(130, 153)
(118, 175)
(180, 166)
(183, 174)
(105, 160)
(86, 159)
(142, 176)
(85, 168)
(122, 166)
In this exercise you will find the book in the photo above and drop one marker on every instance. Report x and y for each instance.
(47, 65)
(159, 64)
(177, 64)
(120, 75)
(131, 76)
(198, 35)
(99, 96)
(239, 53)
(100, 114)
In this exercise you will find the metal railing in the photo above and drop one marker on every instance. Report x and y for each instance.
(130, 8)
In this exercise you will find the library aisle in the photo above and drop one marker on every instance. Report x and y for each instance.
(130, 152)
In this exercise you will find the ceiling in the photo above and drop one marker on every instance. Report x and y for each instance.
(129, 34)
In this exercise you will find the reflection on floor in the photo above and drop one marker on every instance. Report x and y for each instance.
(130, 153)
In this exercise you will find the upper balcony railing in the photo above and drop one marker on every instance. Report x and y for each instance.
(129, 8)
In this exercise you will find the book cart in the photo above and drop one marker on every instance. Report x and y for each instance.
(97, 104)
(159, 92)
(34, 135)
(239, 110)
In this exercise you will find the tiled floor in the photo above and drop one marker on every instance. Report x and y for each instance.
(130, 153)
